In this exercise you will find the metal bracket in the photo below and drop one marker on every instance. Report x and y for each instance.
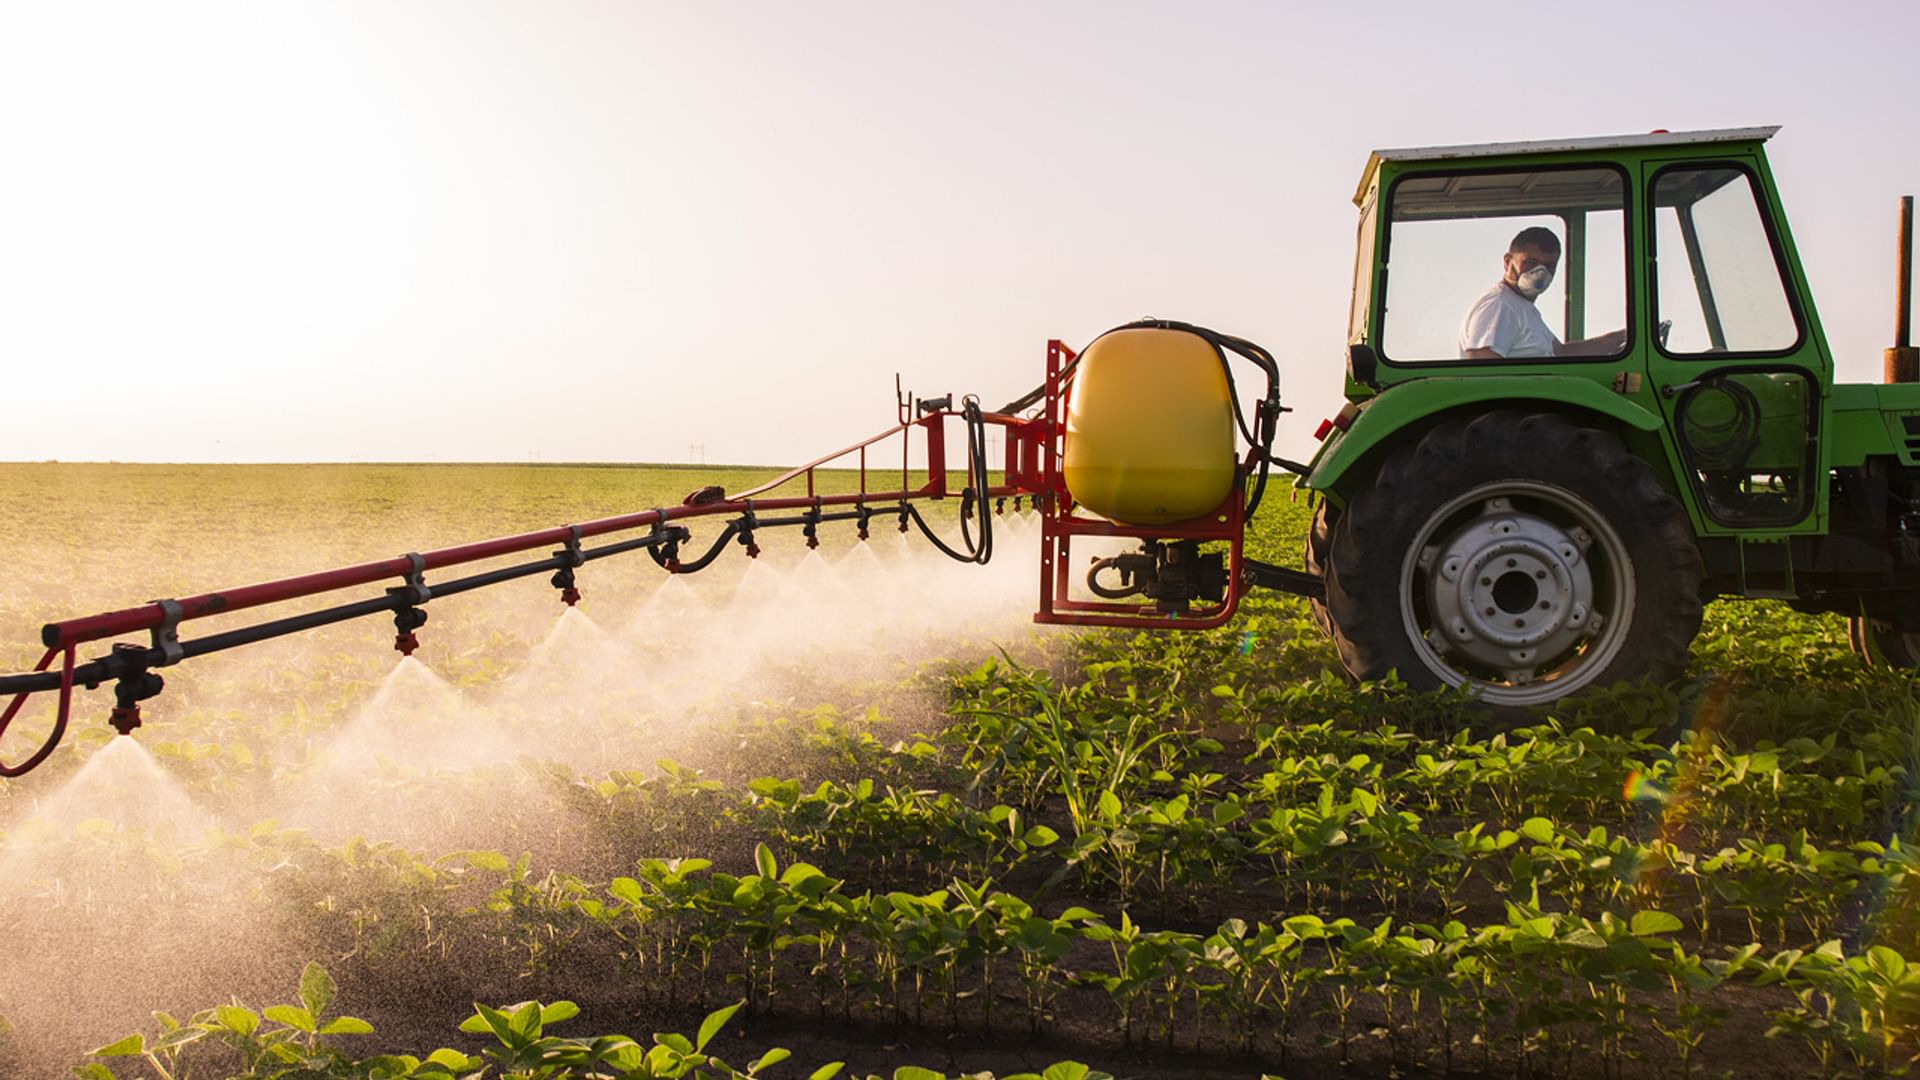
(415, 591)
(166, 636)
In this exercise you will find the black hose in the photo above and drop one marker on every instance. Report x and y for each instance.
(973, 498)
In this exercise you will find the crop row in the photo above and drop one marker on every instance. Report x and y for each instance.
(1541, 986)
(283, 1042)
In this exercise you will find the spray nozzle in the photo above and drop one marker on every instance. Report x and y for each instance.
(866, 514)
(563, 580)
(1000, 506)
(405, 622)
(570, 557)
(811, 530)
(903, 517)
(131, 689)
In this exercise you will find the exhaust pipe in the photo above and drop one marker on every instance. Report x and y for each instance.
(1903, 360)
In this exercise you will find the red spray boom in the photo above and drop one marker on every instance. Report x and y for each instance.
(1168, 572)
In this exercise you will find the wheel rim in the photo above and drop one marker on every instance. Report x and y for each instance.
(1518, 589)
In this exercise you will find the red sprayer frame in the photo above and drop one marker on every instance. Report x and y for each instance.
(1059, 525)
(1033, 448)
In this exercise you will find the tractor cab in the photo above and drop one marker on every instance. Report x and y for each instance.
(1677, 312)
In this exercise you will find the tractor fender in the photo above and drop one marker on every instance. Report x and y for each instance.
(1382, 420)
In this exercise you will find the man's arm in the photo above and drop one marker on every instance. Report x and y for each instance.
(1600, 345)
(1481, 354)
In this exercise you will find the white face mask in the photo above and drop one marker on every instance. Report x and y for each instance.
(1534, 282)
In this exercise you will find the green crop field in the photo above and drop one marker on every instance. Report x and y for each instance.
(846, 813)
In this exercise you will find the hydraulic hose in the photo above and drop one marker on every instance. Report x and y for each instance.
(973, 498)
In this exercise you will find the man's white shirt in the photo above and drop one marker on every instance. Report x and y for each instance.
(1504, 321)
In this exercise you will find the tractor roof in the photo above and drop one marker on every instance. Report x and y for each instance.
(1559, 146)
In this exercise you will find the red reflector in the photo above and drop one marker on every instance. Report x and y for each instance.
(1325, 429)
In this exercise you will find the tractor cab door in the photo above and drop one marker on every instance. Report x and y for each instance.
(1738, 375)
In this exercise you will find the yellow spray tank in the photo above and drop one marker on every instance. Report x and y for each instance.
(1149, 427)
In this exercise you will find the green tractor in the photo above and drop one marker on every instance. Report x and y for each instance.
(1534, 487)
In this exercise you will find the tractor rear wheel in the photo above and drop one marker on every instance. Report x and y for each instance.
(1878, 644)
(1519, 555)
(1315, 560)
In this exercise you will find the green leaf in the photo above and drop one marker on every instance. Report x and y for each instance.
(488, 860)
(93, 1070)
(524, 1022)
(915, 1072)
(1537, 829)
(346, 1025)
(772, 1057)
(828, 1071)
(236, 1019)
(292, 1016)
(558, 1011)
(316, 988)
(674, 1041)
(718, 1018)
(1653, 922)
(1040, 836)
(127, 1047)
(1887, 962)
(1065, 1070)
(1109, 804)
(486, 1020)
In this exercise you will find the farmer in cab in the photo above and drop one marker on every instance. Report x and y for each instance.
(1504, 322)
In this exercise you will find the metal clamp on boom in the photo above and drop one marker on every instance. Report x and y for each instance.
(166, 636)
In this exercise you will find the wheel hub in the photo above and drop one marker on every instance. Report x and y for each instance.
(1510, 590)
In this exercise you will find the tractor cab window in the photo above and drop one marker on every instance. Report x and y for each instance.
(1506, 266)
(1718, 283)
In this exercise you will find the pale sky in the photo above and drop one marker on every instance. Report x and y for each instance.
(491, 231)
